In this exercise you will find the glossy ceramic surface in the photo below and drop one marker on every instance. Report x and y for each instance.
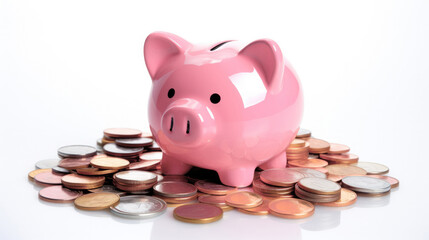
(226, 107)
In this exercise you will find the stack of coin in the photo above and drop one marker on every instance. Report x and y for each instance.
(318, 146)
(281, 177)
(175, 192)
(297, 150)
(318, 190)
(134, 180)
(77, 151)
(79, 182)
(271, 191)
(139, 207)
(366, 185)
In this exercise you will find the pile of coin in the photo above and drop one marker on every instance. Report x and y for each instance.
(125, 176)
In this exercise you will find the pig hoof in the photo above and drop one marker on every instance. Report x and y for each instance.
(171, 166)
(237, 177)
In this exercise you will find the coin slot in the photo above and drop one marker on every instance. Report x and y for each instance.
(188, 126)
(218, 46)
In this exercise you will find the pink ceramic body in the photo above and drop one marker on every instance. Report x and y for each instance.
(258, 114)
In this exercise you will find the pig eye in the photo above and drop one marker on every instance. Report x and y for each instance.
(215, 98)
(170, 93)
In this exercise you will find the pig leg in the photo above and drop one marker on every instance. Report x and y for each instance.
(278, 161)
(171, 166)
(237, 177)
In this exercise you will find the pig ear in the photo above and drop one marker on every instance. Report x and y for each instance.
(266, 55)
(160, 47)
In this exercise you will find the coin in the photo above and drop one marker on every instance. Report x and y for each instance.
(259, 210)
(213, 188)
(262, 187)
(303, 133)
(296, 143)
(151, 156)
(139, 207)
(105, 141)
(110, 163)
(174, 189)
(48, 177)
(77, 151)
(75, 181)
(60, 170)
(243, 199)
(313, 197)
(318, 145)
(58, 194)
(154, 147)
(198, 213)
(393, 181)
(175, 200)
(282, 177)
(108, 188)
(340, 158)
(345, 170)
(96, 201)
(134, 142)
(122, 133)
(47, 163)
(319, 186)
(348, 197)
(337, 148)
(308, 172)
(308, 163)
(114, 150)
(95, 171)
(218, 200)
(144, 165)
(37, 171)
(364, 184)
(135, 177)
(291, 208)
(372, 168)
(74, 163)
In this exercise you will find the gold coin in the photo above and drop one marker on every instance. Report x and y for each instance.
(96, 201)
(348, 197)
(110, 163)
(243, 199)
(345, 170)
(291, 208)
(33, 173)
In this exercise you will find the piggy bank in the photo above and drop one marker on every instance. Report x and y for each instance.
(229, 107)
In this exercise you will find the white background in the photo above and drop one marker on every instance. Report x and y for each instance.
(69, 69)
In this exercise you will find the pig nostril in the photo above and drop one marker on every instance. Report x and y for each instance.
(188, 126)
(171, 124)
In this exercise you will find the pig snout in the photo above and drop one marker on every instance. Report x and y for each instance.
(187, 122)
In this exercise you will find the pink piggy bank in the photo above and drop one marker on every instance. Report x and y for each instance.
(228, 107)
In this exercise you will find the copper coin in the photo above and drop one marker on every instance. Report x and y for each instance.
(308, 172)
(77, 151)
(174, 178)
(372, 168)
(322, 170)
(334, 178)
(74, 180)
(297, 150)
(178, 199)
(110, 163)
(303, 133)
(291, 208)
(96, 201)
(282, 177)
(33, 173)
(345, 170)
(318, 145)
(243, 199)
(213, 188)
(133, 187)
(134, 142)
(348, 197)
(74, 163)
(95, 171)
(218, 200)
(144, 165)
(338, 148)
(308, 163)
(105, 141)
(114, 150)
(48, 177)
(47, 163)
(259, 210)
(262, 187)
(296, 143)
(312, 197)
(175, 189)
(151, 156)
(108, 188)
(58, 194)
(198, 213)
(122, 133)
(393, 181)
(135, 177)
(319, 186)
(340, 158)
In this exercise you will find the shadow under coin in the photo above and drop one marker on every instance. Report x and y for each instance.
(98, 213)
(52, 204)
(324, 218)
(372, 202)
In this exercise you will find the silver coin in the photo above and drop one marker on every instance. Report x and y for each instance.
(175, 189)
(108, 188)
(60, 170)
(314, 156)
(136, 176)
(372, 168)
(139, 206)
(134, 142)
(115, 150)
(366, 184)
(303, 133)
(77, 151)
(154, 147)
(47, 163)
(100, 142)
